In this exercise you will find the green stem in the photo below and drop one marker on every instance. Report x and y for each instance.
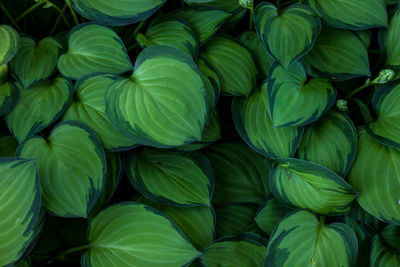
(139, 27)
(366, 114)
(62, 255)
(32, 8)
(132, 47)
(72, 12)
(251, 17)
(357, 90)
(9, 16)
(374, 51)
(278, 3)
(57, 21)
(322, 220)
(61, 12)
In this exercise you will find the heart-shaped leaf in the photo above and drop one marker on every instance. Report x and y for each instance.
(8, 97)
(9, 43)
(389, 37)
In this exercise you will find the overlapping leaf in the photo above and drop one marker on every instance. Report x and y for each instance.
(212, 82)
(235, 219)
(388, 40)
(8, 97)
(381, 255)
(9, 43)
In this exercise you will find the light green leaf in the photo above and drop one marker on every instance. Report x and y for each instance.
(307, 185)
(130, 233)
(375, 174)
(163, 103)
(294, 101)
(169, 177)
(71, 165)
(389, 40)
(117, 12)
(330, 142)
(34, 61)
(9, 43)
(170, 31)
(233, 63)
(93, 48)
(231, 6)
(301, 240)
(212, 82)
(39, 107)
(353, 15)
(8, 146)
(381, 255)
(8, 97)
(241, 175)
(286, 34)
(19, 208)
(89, 107)
(235, 219)
(337, 54)
(253, 122)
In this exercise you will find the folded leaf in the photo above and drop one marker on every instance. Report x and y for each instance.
(9, 43)
(212, 82)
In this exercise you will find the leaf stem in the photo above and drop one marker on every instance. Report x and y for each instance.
(72, 12)
(132, 47)
(58, 21)
(29, 10)
(278, 3)
(9, 16)
(322, 220)
(251, 16)
(357, 90)
(374, 51)
(366, 114)
(139, 27)
(61, 12)
(62, 255)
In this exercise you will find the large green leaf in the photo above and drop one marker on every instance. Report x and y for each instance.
(382, 255)
(286, 34)
(307, 185)
(233, 63)
(231, 6)
(89, 107)
(294, 101)
(170, 177)
(8, 146)
(365, 218)
(331, 142)
(93, 48)
(38, 107)
(9, 43)
(253, 122)
(391, 235)
(19, 208)
(212, 82)
(376, 175)
(235, 219)
(337, 54)
(71, 165)
(241, 175)
(170, 31)
(34, 61)
(389, 40)
(8, 97)
(163, 103)
(301, 240)
(205, 21)
(353, 15)
(117, 12)
(132, 234)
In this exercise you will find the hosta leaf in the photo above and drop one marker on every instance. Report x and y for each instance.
(375, 174)
(294, 101)
(170, 31)
(286, 34)
(270, 213)
(231, 6)
(389, 43)
(381, 255)
(170, 177)
(9, 43)
(117, 12)
(365, 218)
(205, 21)
(3, 73)
(212, 82)
(34, 61)
(331, 142)
(93, 48)
(19, 208)
(163, 103)
(8, 146)
(307, 185)
(89, 107)
(38, 107)
(71, 165)
(246, 250)
(130, 233)
(253, 122)
(241, 175)
(337, 54)
(353, 15)
(301, 240)
(235, 219)
(391, 235)
(233, 64)
(8, 97)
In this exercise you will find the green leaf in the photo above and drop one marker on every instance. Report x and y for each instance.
(381, 255)
(129, 232)
(235, 219)
(231, 6)
(9, 43)
(8, 146)
(118, 12)
(93, 48)
(253, 122)
(163, 103)
(3, 73)
(89, 107)
(71, 165)
(330, 142)
(246, 250)
(353, 15)
(301, 240)
(386, 104)
(39, 107)
(206, 21)
(169, 177)
(307, 185)
(34, 61)
(294, 101)
(8, 97)
(212, 82)
(233, 63)
(375, 174)
(286, 34)
(391, 235)
(337, 54)
(170, 31)
(269, 214)
(241, 175)
(389, 40)
(365, 218)
(19, 208)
